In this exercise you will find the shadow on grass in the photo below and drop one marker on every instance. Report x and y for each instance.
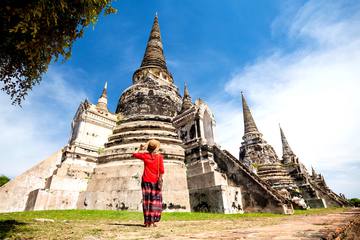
(128, 224)
(7, 226)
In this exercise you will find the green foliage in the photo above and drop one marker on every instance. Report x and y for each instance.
(255, 165)
(290, 164)
(355, 202)
(35, 32)
(3, 179)
(101, 150)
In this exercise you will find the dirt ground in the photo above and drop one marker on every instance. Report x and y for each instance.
(332, 225)
(328, 226)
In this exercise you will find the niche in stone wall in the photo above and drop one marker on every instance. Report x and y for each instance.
(192, 132)
(208, 128)
(184, 135)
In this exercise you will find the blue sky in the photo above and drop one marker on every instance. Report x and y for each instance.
(296, 61)
(207, 40)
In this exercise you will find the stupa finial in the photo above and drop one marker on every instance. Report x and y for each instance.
(154, 55)
(249, 123)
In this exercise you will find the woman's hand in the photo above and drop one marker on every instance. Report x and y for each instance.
(141, 148)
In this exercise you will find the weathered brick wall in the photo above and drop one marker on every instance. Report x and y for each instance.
(257, 196)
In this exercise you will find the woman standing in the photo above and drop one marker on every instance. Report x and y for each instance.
(151, 183)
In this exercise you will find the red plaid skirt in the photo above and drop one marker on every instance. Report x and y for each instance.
(152, 202)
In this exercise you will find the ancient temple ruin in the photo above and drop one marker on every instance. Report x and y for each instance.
(96, 170)
(287, 175)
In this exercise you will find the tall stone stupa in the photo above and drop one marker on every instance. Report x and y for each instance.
(145, 111)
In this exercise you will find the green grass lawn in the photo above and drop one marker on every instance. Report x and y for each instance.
(129, 215)
(75, 224)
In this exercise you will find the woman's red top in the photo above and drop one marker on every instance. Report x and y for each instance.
(153, 164)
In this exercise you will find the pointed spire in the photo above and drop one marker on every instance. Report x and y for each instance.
(102, 102)
(249, 123)
(154, 55)
(104, 92)
(313, 173)
(187, 103)
(186, 90)
(285, 145)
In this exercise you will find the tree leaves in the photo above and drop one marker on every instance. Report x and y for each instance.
(3, 180)
(35, 32)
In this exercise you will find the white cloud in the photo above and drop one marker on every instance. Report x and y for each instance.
(42, 126)
(313, 92)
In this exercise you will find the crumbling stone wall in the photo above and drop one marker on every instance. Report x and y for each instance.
(14, 194)
(331, 198)
(149, 96)
(257, 196)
